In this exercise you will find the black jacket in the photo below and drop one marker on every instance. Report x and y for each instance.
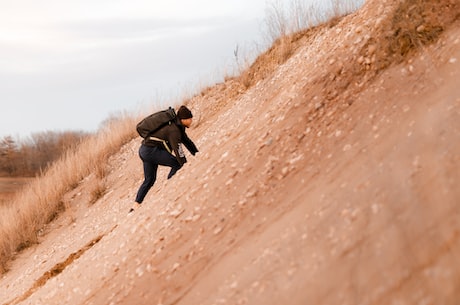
(173, 136)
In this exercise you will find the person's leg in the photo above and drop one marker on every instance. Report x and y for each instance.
(147, 155)
(164, 158)
(151, 158)
(150, 176)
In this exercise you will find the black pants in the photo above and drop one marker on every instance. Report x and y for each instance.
(151, 158)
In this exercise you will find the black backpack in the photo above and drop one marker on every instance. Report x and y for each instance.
(155, 122)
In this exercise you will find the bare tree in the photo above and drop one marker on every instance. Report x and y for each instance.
(8, 155)
(29, 157)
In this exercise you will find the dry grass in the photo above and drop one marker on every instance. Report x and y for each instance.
(41, 201)
(98, 190)
(417, 23)
(298, 15)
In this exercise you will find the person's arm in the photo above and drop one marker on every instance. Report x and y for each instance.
(174, 140)
(189, 144)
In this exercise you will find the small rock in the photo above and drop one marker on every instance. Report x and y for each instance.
(150, 268)
(176, 213)
(375, 208)
(296, 159)
(285, 171)
(224, 155)
(140, 271)
(268, 142)
(420, 28)
(354, 214)
(175, 267)
(251, 193)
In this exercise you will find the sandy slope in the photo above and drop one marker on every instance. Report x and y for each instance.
(299, 195)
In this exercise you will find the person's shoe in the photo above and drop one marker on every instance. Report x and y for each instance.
(134, 207)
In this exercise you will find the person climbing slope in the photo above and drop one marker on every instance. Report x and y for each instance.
(163, 146)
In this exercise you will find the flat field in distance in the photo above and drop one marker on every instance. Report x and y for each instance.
(9, 186)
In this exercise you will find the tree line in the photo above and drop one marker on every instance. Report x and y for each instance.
(26, 158)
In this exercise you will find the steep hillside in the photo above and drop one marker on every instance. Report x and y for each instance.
(330, 178)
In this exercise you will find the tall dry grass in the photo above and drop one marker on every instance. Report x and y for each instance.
(285, 18)
(41, 201)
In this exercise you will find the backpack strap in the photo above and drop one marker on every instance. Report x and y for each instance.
(165, 143)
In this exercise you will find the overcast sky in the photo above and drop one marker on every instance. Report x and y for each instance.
(69, 65)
